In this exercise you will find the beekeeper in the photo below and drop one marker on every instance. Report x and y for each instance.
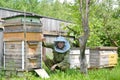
(60, 59)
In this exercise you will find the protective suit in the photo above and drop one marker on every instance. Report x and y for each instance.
(60, 56)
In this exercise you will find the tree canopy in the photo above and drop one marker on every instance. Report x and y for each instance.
(104, 17)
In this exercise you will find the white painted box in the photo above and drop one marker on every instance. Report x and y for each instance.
(74, 58)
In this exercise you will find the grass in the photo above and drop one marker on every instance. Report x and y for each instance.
(73, 74)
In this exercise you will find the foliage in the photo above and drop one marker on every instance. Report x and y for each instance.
(104, 23)
(110, 24)
(103, 15)
(43, 7)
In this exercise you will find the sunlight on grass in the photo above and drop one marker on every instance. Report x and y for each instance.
(72, 74)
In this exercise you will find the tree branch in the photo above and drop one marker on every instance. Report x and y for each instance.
(72, 29)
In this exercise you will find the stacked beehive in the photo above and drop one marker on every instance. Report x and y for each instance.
(1, 43)
(74, 57)
(22, 42)
(103, 57)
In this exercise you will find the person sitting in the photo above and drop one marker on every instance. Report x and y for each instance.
(61, 49)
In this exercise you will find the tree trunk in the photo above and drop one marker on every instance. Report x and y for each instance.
(83, 39)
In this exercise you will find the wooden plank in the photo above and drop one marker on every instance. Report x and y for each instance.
(14, 62)
(20, 28)
(13, 58)
(13, 36)
(33, 36)
(20, 36)
(33, 29)
(104, 48)
(14, 29)
(12, 48)
(74, 58)
(42, 73)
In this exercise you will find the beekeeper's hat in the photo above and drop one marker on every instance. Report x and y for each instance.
(66, 46)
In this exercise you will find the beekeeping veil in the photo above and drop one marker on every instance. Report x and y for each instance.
(66, 44)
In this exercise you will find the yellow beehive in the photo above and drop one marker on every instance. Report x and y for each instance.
(112, 59)
(101, 57)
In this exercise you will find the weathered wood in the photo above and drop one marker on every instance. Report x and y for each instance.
(21, 36)
(33, 55)
(22, 42)
(33, 36)
(1, 44)
(13, 36)
(104, 48)
(74, 58)
(13, 55)
(20, 28)
(103, 57)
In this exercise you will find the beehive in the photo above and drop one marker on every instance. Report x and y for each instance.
(22, 42)
(103, 57)
(74, 57)
(1, 43)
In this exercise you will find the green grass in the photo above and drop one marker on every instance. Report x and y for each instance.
(74, 74)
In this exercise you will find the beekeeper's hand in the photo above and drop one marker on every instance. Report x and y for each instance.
(43, 39)
(53, 67)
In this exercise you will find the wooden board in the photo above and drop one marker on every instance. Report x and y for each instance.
(13, 29)
(13, 55)
(13, 36)
(113, 58)
(74, 58)
(17, 36)
(16, 58)
(103, 57)
(21, 28)
(34, 55)
(33, 36)
(42, 73)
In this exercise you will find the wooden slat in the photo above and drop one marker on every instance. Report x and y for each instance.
(20, 28)
(104, 48)
(14, 29)
(13, 58)
(33, 36)
(20, 36)
(74, 58)
(13, 53)
(13, 36)
(33, 29)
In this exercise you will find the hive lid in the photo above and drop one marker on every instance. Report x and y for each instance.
(22, 19)
(105, 48)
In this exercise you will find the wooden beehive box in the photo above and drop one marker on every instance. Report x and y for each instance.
(22, 42)
(74, 58)
(1, 43)
(103, 57)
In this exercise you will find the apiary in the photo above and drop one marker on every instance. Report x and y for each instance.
(101, 57)
(74, 57)
(22, 42)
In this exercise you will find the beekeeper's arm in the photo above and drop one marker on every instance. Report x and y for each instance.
(48, 45)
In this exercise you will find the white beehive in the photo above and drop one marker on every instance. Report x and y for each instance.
(74, 58)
